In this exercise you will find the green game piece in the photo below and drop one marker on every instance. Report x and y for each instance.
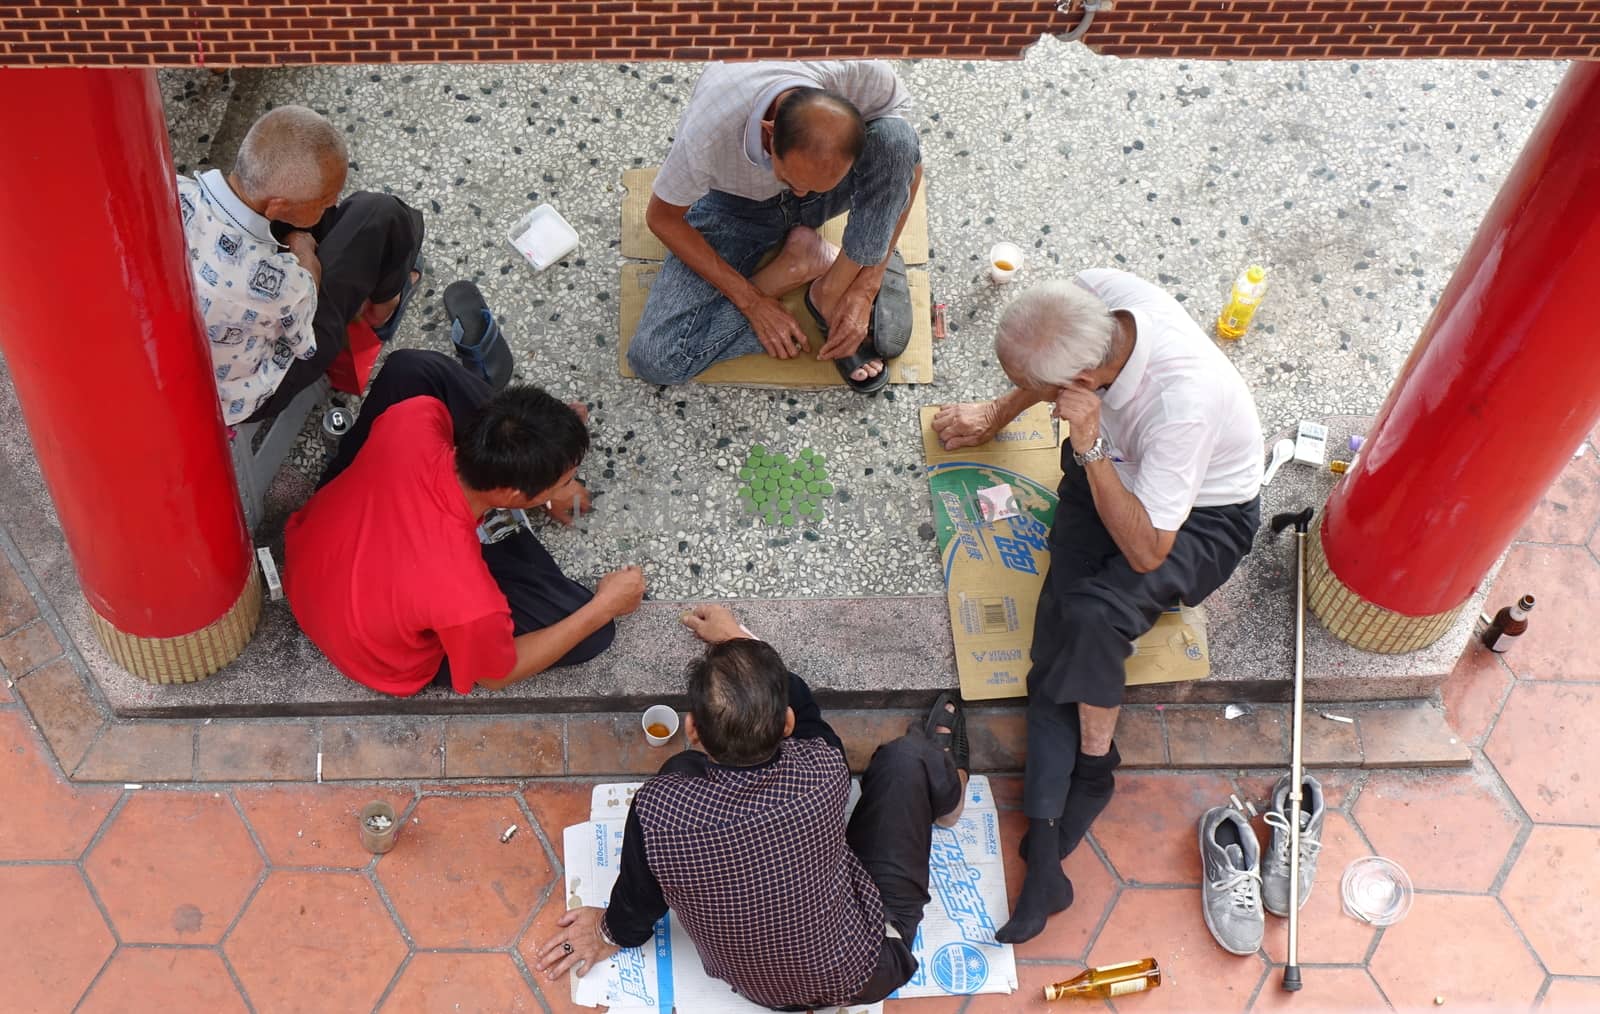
(746, 493)
(761, 496)
(807, 475)
(746, 474)
(821, 474)
(788, 521)
(758, 449)
(772, 485)
(818, 461)
(825, 488)
(805, 507)
(813, 487)
(785, 503)
(772, 518)
(781, 459)
(807, 453)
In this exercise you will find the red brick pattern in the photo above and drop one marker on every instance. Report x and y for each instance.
(219, 34)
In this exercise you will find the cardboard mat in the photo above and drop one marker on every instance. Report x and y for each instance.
(993, 506)
(955, 946)
(914, 366)
(639, 243)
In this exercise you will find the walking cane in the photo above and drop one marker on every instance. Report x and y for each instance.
(1302, 524)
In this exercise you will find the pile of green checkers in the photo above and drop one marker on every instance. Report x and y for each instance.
(781, 491)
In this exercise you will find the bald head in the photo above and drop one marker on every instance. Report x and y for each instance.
(818, 125)
(291, 154)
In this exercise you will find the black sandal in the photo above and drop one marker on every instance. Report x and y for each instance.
(888, 329)
(956, 721)
(476, 335)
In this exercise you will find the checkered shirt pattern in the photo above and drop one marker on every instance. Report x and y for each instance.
(708, 151)
(754, 864)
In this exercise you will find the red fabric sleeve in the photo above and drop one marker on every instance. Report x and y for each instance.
(482, 649)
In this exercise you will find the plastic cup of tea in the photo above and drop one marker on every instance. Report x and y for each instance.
(660, 724)
(378, 827)
(1005, 260)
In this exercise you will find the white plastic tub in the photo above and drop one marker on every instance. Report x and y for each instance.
(543, 237)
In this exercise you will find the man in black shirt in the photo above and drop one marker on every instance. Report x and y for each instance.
(744, 838)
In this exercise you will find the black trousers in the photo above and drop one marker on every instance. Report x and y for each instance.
(538, 593)
(908, 783)
(1094, 606)
(367, 245)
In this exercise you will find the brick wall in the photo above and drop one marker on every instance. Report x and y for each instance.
(218, 34)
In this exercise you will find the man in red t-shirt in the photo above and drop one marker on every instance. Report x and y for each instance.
(385, 570)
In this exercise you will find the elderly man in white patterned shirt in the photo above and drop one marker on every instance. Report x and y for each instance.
(281, 267)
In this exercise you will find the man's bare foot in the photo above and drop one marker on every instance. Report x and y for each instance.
(805, 256)
(377, 314)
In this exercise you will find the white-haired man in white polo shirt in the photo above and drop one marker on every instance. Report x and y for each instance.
(1159, 501)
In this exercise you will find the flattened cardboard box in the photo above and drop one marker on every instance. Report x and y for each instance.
(994, 570)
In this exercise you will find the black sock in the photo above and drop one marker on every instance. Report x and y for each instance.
(1045, 889)
(1092, 786)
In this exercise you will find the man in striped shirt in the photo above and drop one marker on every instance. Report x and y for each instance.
(744, 837)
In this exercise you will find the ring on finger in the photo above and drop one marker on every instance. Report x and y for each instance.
(566, 947)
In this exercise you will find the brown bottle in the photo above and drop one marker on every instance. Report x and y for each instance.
(1108, 981)
(1508, 625)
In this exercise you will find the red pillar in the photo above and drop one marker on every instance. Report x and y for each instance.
(1502, 386)
(100, 332)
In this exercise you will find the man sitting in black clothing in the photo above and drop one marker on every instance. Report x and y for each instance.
(744, 837)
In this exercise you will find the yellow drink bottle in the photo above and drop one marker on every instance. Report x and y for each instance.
(1248, 289)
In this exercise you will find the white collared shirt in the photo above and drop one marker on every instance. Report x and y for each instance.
(1181, 425)
(718, 143)
(256, 299)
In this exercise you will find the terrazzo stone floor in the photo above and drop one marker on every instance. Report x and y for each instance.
(1357, 184)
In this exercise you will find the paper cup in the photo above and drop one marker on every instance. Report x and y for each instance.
(658, 717)
(1005, 260)
(378, 840)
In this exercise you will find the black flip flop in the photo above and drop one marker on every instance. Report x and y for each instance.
(476, 335)
(390, 326)
(891, 312)
(860, 358)
(956, 721)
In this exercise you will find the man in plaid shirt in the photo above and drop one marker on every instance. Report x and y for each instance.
(744, 838)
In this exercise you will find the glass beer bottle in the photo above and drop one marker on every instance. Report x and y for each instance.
(1107, 981)
(1508, 624)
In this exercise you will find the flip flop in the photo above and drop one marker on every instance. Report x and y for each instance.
(851, 363)
(956, 721)
(390, 326)
(479, 343)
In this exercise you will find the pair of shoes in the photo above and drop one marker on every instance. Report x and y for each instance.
(1233, 878)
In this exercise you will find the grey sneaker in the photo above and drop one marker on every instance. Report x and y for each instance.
(1230, 892)
(1275, 865)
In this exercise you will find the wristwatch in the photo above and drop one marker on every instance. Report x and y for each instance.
(1094, 453)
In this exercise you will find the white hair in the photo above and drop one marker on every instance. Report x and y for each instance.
(286, 153)
(1053, 332)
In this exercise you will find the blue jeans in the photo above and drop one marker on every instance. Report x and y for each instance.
(688, 325)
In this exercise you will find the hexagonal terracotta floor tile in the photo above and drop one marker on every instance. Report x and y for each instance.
(559, 805)
(557, 994)
(174, 867)
(55, 938)
(1546, 745)
(1321, 990)
(1571, 996)
(460, 982)
(1462, 948)
(1032, 978)
(1196, 974)
(1066, 937)
(315, 942)
(1327, 935)
(1560, 641)
(1451, 830)
(1569, 508)
(1150, 831)
(313, 825)
(46, 816)
(452, 880)
(164, 979)
(1474, 691)
(1554, 895)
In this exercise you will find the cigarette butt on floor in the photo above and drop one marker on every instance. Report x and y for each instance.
(132, 785)
(1330, 716)
(508, 834)
(319, 767)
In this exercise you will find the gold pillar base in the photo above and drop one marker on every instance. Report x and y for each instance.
(1358, 622)
(188, 658)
